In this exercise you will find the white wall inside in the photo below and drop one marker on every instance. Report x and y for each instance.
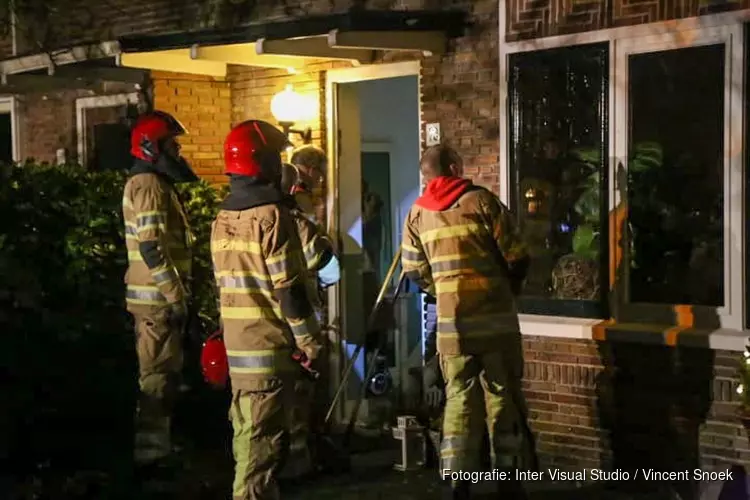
(389, 113)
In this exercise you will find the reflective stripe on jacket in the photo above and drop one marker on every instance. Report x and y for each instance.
(453, 255)
(265, 300)
(154, 218)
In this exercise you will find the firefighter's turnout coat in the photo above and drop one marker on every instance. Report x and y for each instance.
(158, 241)
(459, 244)
(266, 295)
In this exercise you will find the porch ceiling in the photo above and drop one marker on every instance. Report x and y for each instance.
(355, 36)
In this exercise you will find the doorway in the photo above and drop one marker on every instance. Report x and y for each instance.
(374, 147)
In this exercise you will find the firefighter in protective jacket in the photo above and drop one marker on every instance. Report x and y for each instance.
(158, 241)
(460, 245)
(323, 266)
(266, 305)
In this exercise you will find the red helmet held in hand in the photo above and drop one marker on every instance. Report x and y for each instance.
(149, 131)
(253, 148)
(214, 361)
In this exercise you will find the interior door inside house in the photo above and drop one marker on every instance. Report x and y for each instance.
(377, 186)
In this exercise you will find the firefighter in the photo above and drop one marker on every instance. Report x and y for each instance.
(157, 281)
(266, 305)
(323, 266)
(460, 245)
(311, 164)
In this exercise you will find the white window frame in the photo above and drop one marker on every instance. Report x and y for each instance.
(84, 103)
(10, 105)
(727, 27)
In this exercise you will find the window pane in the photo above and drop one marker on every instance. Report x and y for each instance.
(558, 167)
(676, 176)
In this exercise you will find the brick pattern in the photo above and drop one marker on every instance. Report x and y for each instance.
(612, 404)
(48, 122)
(203, 106)
(82, 21)
(529, 19)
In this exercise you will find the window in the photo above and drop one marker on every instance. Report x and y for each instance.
(558, 103)
(103, 131)
(8, 131)
(675, 176)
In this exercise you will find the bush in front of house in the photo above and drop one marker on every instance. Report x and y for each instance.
(67, 364)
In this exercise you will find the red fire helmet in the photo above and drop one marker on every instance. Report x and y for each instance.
(149, 130)
(214, 362)
(249, 144)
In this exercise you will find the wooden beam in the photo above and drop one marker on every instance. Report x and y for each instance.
(176, 61)
(427, 42)
(121, 75)
(26, 84)
(314, 46)
(245, 54)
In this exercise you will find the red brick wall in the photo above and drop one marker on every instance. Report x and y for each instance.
(527, 19)
(77, 21)
(48, 122)
(627, 405)
(203, 105)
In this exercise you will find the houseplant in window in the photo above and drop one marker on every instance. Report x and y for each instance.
(576, 274)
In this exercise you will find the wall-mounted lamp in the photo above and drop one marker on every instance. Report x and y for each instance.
(289, 107)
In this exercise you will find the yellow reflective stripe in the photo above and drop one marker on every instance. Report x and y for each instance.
(135, 256)
(126, 202)
(234, 245)
(311, 255)
(450, 232)
(277, 265)
(230, 312)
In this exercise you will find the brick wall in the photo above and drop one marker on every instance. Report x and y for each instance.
(630, 405)
(204, 107)
(48, 121)
(528, 19)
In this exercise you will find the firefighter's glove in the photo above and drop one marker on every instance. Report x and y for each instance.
(431, 374)
(434, 397)
(178, 312)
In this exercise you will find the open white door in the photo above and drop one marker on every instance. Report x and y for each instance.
(346, 179)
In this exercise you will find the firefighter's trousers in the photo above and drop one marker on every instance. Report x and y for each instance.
(260, 418)
(160, 358)
(300, 416)
(483, 390)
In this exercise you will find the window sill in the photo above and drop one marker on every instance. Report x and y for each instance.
(593, 329)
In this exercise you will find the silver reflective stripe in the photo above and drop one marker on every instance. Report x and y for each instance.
(277, 267)
(130, 230)
(149, 295)
(475, 265)
(260, 361)
(147, 220)
(304, 328)
(409, 254)
(493, 323)
(166, 276)
(240, 282)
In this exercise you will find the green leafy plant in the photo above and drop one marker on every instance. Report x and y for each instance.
(68, 352)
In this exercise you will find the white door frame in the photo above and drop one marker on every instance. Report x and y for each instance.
(11, 105)
(84, 103)
(334, 78)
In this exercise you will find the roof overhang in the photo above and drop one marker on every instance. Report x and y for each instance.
(355, 36)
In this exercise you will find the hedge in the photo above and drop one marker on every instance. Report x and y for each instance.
(67, 364)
